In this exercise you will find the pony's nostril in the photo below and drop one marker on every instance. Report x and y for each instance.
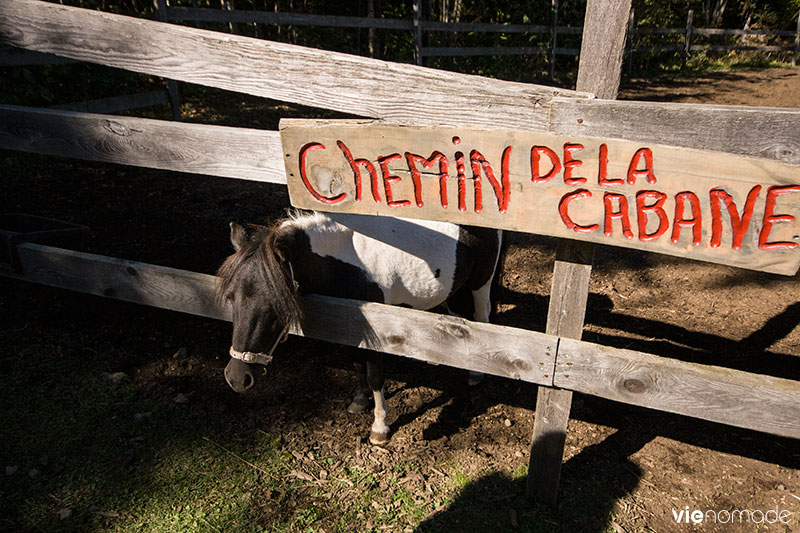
(248, 381)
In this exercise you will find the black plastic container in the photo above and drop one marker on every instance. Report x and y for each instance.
(16, 228)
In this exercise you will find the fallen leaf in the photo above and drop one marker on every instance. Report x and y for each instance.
(301, 475)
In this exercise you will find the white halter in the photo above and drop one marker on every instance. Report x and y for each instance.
(260, 358)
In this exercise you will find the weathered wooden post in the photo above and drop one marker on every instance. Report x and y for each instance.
(687, 42)
(553, 42)
(599, 69)
(796, 41)
(417, 31)
(371, 30)
(172, 85)
(631, 27)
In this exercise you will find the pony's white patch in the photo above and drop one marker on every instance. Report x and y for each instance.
(412, 261)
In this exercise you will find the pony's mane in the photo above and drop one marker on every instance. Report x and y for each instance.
(271, 272)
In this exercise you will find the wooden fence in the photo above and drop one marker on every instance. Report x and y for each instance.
(421, 27)
(373, 88)
(10, 57)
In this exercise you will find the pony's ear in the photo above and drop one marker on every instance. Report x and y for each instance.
(238, 236)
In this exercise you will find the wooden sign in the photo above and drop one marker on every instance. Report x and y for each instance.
(709, 206)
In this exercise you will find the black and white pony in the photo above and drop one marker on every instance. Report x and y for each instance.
(411, 263)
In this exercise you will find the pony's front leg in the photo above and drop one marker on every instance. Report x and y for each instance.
(379, 434)
(361, 400)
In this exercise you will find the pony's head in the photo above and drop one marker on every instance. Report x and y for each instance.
(258, 285)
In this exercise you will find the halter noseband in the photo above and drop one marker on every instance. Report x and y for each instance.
(261, 358)
(265, 358)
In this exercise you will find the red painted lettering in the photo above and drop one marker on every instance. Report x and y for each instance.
(304, 176)
(647, 172)
(536, 156)
(563, 210)
(461, 178)
(680, 221)
(354, 166)
(602, 171)
(502, 189)
(770, 218)
(642, 210)
(388, 179)
(436, 157)
(622, 214)
(738, 225)
(571, 163)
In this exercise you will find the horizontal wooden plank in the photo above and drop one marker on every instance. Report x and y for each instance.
(453, 51)
(732, 397)
(771, 133)
(738, 47)
(342, 82)
(659, 49)
(722, 31)
(657, 31)
(483, 27)
(130, 281)
(710, 31)
(295, 19)
(438, 339)
(601, 190)
(195, 148)
(115, 104)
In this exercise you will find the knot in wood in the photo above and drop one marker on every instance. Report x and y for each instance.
(116, 128)
(521, 364)
(634, 386)
(395, 340)
(453, 329)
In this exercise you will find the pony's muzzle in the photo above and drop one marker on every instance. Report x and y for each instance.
(240, 375)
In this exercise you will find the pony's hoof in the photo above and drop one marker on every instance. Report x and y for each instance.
(358, 406)
(378, 439)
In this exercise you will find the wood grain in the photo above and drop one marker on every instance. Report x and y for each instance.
(602, 47)
(195, 148)
(731, 397)
(770, 133)
(373, 88)
(534, 207)
(130, 281)
(341, 82)
(741, 399)
(599, 71)
(437, 339)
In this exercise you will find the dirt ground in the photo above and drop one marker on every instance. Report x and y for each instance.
(629, 467)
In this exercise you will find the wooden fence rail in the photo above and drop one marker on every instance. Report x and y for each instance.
(732, 397)
(187, 14)
(341, 82)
